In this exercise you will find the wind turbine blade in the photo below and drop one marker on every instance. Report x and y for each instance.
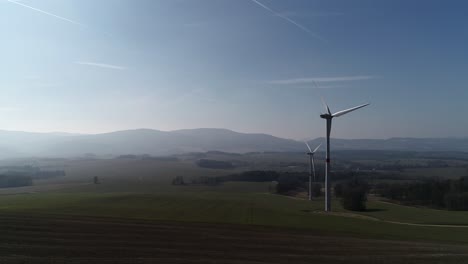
(340, 113)
(326, 106)
(310, 150)
(315, 84)
(316, 148)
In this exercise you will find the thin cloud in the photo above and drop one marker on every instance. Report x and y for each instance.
(101, 65)
(323, 79)
(308, 14)
(303, 28)
(331, 86)
(46, 13)
(10, 109)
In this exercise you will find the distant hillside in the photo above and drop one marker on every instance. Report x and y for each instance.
(402, 144)
(140, 141)
(154, 142)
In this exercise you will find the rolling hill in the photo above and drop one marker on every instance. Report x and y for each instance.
(155, 142)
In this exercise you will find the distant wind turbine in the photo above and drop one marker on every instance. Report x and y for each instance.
(311, 167)
(328, 116)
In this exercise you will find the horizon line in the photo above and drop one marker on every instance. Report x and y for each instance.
(68, 133)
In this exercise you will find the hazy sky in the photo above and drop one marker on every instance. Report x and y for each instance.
(92, 66)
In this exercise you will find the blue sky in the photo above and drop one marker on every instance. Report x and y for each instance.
(97, 66)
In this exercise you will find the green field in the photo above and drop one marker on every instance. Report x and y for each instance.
(142, 191)
(246, 208)
(449, 172)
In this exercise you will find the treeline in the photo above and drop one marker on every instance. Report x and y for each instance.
(249, 176)
(24, 176)
(353, 193)
(199, 180)
(214, 164)
(253, 176)
(7, 181)
(399, 166)
(48, 174)
(147, 157)
(367, 175)
(35, 174)
(436, 193)
(285, 182)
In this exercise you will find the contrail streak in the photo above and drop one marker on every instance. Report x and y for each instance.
(45, 12)
(323, 79)
(102, 65)
(303, 28)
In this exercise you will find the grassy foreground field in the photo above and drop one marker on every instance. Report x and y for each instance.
(207, 228)
(252, 208)
(65, 239)
(137, 216)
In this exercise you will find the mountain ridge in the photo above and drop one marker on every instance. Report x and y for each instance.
(159, 143)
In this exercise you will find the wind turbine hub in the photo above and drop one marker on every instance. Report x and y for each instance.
(326, 116)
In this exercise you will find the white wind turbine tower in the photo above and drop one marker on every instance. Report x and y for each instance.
(328, 117)
(311, 167)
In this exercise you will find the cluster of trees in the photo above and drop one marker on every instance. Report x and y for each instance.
(291, 164)
(7, 181)
(253, 176)
(371, 175)
(286, 182)
(48, 174)
(353, 194)
(456, 201)
(214, 164)
(24, 176)
(146, 157)
(294, 182)
(249, 176)
(96, 180)
(316, 189)
(437, 193)
(33, 172)
(201, 180)
(290, 182)
(179, 180)
(399, 166)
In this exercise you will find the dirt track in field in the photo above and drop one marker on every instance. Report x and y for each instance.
(65, 239)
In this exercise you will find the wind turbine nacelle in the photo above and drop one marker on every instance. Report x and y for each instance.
(326, 116)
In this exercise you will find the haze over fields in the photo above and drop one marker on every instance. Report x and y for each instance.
(192, 132)
(155, 142)
(86, 66)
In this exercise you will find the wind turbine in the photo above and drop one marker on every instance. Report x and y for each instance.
(328, 116)
(312, 167)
